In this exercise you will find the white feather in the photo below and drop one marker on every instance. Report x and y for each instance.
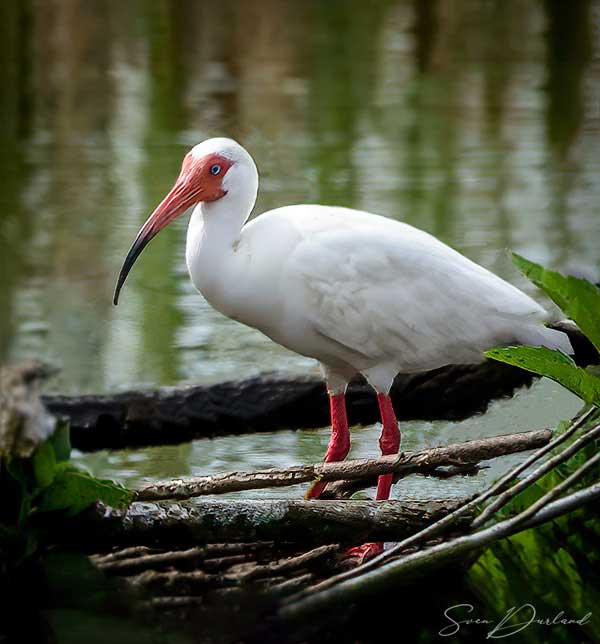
(356, 291)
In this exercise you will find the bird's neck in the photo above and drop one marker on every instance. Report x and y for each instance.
(213, 234)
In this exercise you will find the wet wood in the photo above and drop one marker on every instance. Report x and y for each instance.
(136, 562)
(406, 569)
(122, 553)
(362, 473)
(275, 574)
(291, 585)
(274, 402)
(307, 522)
(182, 582)
(129, 561)
(284, 566)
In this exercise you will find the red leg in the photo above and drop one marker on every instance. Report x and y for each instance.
(389, 443)
(339, 443)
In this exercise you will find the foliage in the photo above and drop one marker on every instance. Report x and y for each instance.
(35, 488)
(559, 473)
(548, 567)
(580, 300)
(576, 297)
(552, 364)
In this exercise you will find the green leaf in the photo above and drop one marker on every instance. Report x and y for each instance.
(44, 465)
(16, 468)
(74, 490)
(554, 563)
(576, 297)
(61, 441)
(20, 472)
(554, 365)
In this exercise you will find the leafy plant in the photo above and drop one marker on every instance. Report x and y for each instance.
(519, 570)
(550, 566)
(576, 297)
(580, 300)
(47, 482)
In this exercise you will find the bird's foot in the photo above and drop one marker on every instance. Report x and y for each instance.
(365, 552)
(315, 490)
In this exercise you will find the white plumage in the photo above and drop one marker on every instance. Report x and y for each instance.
(356, 291)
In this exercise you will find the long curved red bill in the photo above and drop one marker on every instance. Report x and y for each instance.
(179, 199)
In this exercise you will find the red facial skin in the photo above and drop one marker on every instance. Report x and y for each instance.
(194, 184)
(196, 176)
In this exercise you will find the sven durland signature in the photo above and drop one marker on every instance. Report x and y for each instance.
(514, 621)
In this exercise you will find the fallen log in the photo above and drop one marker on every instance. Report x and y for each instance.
(362, 472)
(273, 402)
(278, 402)
(307, 522)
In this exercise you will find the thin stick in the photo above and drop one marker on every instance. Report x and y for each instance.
(290, 585)
(558, 490)
(467, 452)
(284, 565)
(131, 565)
(582, 441)
(122, 553)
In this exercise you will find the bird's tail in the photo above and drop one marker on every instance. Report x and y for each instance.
(537, 335)
(564, 336)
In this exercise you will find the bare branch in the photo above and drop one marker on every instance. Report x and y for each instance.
(582, 441)
(363, 472)
(559, 489)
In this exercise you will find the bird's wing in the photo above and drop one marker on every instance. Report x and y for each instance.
(386, 289)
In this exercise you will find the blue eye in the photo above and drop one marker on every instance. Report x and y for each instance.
(215, 169)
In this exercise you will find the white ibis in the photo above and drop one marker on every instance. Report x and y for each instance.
(358, 292)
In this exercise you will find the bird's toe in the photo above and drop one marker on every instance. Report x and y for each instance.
(365, 552)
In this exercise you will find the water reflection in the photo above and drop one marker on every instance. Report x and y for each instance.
(530, 409)
(409, 109)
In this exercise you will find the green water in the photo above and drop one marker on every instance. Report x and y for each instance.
(477, 121)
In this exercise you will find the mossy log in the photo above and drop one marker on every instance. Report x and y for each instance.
(307, 522)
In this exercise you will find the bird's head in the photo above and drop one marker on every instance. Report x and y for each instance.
(210, 171)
